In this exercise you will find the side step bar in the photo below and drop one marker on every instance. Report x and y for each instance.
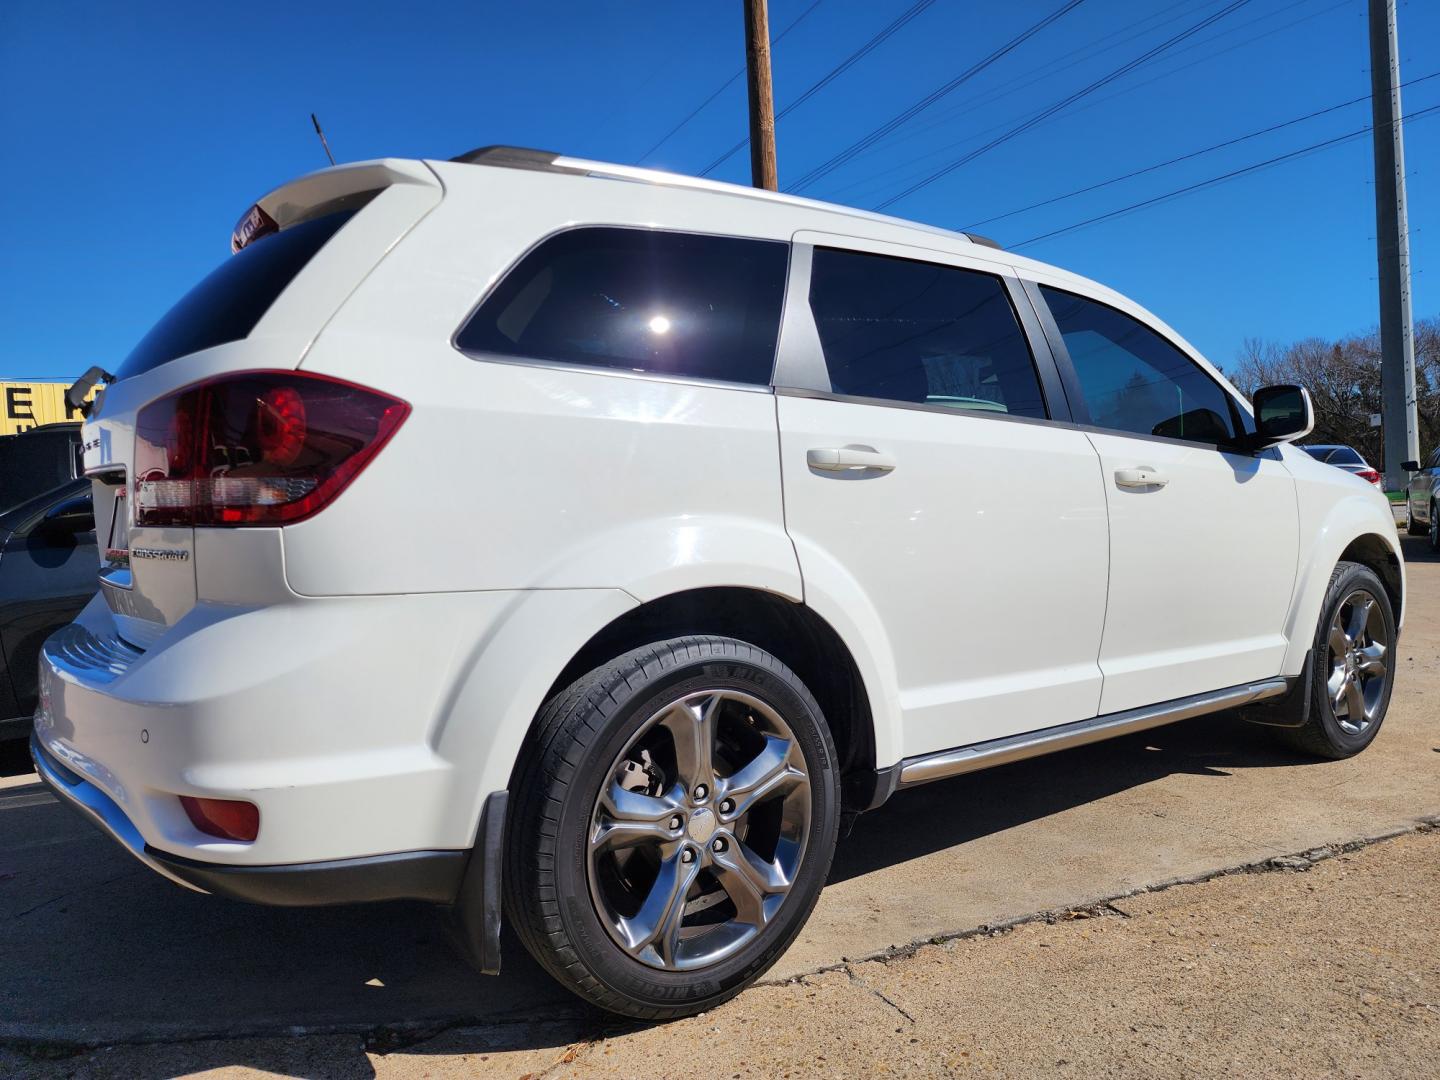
(964, 759)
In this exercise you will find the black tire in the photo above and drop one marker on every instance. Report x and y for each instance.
(1434, 527)
(1323, 734)
(580, 735)
(1413, 527)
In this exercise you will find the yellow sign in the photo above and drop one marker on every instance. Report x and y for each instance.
(24, 405)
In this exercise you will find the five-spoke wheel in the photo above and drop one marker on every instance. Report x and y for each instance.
(673, 825)
(1358, 648)
(695, 839)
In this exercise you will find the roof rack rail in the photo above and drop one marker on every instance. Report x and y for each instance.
(514, 157)
(524, 157)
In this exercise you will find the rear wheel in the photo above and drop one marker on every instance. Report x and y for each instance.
(1353, 666)
(1434, 527)
(674, 825)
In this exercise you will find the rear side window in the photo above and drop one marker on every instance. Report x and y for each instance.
(704, 307)
(227, 304)
(1133, 379)
(921, 333)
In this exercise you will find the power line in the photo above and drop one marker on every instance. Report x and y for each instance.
(724, 86)
(903, 117)
(836, 71)
(1123, 70)
(1186, 157)
(987, 99)
(1214, 180)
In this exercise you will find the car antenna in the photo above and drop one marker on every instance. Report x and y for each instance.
(314, 120)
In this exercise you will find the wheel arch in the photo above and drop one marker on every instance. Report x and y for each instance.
(789, 630)
(1353, 530)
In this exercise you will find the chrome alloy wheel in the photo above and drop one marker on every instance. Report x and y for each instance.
(699, 830)
(1358, 652)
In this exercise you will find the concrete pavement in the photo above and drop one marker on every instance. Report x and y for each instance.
(95, 950)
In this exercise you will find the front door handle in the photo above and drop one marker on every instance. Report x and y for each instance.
(849, 459)
(1142, 476)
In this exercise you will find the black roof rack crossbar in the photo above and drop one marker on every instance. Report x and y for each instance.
(513, 157)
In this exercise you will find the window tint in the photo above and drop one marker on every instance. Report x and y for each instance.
(919, 332)
(704, 307)
(1343, 455)
(1135, 380)
(227, 304)
(1319, 453)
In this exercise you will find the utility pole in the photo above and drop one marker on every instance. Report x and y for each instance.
(762, 96)
(1392, 248)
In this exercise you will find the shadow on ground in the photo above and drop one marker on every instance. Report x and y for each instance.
(100, 950)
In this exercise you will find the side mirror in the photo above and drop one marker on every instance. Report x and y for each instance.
(1410, 466)
(1282, 414)
(71, 516)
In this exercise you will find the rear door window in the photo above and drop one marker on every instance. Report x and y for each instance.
(1133, 379)
(641, 300)
(227, 304)
(922, 333)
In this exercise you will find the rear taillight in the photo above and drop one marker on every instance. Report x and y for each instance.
(228, 819)
(1368, 474)
(256, 448)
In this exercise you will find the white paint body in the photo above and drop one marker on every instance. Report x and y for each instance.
(368, 676)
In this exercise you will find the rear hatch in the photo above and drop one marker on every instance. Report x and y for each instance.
(178, 423)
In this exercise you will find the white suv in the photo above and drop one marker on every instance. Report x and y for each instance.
(527, 532)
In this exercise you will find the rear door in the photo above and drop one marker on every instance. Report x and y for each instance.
(1204, 540)
(925, 484)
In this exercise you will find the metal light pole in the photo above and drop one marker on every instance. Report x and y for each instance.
(1392, 248)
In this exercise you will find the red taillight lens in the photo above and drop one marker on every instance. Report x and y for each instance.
(256, 448)
(228, 819)
(1369, 474)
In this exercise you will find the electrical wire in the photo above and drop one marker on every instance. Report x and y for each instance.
(835, 72)
(1214, 180)
(1186, 157)
(868, 182)
(1065, 102)
(724, 86)
(903, 117)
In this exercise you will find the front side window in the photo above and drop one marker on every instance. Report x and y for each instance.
(705, 307)
(921, 333)
(1133, 379)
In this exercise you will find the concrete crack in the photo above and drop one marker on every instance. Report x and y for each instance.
(866, 986)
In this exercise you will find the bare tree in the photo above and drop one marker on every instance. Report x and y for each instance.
(1343, 378)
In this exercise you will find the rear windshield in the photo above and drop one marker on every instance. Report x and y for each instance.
(1345, 456)
(227, 304)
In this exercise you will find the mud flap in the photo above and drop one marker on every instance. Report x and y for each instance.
(1290, 711)
(475, 916)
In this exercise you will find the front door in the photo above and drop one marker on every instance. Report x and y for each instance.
(925, 484)
(1204, 541)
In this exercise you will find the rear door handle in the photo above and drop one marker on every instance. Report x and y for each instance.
(849, 459)
(1141, 476)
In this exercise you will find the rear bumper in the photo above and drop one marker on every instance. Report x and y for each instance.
(434, 876)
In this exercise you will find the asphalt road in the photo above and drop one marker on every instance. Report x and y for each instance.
(96, 950)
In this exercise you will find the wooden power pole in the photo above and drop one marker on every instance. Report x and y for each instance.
(762, 96)
(1392, 242)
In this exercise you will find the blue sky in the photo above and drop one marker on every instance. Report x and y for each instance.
(135, 135)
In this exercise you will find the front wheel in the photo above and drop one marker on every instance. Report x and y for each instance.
(1354, 666)
(674, 825)
(1413, 527)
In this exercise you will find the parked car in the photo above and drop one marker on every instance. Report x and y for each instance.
(47, 574)
(530, 527)
(36, 461)
(1347, 458)
(1422, 499)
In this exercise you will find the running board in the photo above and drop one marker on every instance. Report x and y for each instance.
(964, 759)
